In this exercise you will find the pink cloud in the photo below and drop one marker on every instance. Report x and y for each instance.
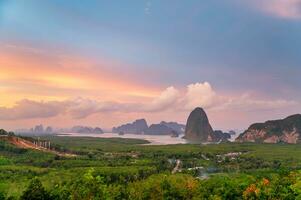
(27, 109)
(289, 9)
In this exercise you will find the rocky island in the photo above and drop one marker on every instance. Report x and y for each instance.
(137, 127)
(198, 128)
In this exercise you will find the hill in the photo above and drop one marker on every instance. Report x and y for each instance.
(274, 131)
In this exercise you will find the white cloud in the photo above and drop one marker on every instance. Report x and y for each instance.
(165, 100)
(199, 95)
(203, 95)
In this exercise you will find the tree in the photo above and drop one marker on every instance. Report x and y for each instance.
(3, 132)
(2, 196)
(11, 133)
(89, 187)
(35, 191)
(60, 192)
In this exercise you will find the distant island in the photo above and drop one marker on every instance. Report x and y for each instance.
(140, 126)
(40, 130)
(86, 129)
(137, 127)
(198, 128)
(37, 130)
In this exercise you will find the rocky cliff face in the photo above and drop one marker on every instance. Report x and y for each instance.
(49, 129)
(180, 128)
(287, 130)
(219, 135)
(158, 129)
(38, 129)
(137, 127)
(140, 127)
(198, 127)
(85, 129)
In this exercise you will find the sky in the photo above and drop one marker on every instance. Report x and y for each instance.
(104, 63)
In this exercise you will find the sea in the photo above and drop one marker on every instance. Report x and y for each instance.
(153, 139)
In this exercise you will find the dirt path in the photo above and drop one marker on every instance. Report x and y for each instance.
(25, 144)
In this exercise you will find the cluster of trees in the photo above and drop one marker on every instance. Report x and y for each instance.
(8, 133)
(125, 171)
(165, 186)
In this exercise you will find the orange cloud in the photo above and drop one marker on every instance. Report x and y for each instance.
(27, 72)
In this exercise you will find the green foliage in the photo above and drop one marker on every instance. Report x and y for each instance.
(224, 187)
(60, 192)
(89, 187)
(35, 191)
(3, 132)
(4, 161)
(296, 186)
(7, 148)
(164, 187)
(125, 169)
(2, 196)
(6, 133)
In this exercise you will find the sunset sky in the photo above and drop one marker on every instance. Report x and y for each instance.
(104, 63)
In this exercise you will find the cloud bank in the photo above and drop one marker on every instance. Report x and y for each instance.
(27, 109)
(195, 95)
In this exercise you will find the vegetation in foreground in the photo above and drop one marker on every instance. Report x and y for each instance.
(127, 169)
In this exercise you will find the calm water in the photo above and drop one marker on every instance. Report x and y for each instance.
(153, 139)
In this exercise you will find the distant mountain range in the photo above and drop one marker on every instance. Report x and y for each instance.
(37, 130)
(180, 128)
(40, 130)
(137, 127)
(286, 130)
(197, 129)
(140, 127)
(158, 129)
(86, 129)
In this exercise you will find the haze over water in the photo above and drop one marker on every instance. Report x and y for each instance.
(153, 139)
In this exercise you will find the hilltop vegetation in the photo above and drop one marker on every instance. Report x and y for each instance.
(128, 169)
